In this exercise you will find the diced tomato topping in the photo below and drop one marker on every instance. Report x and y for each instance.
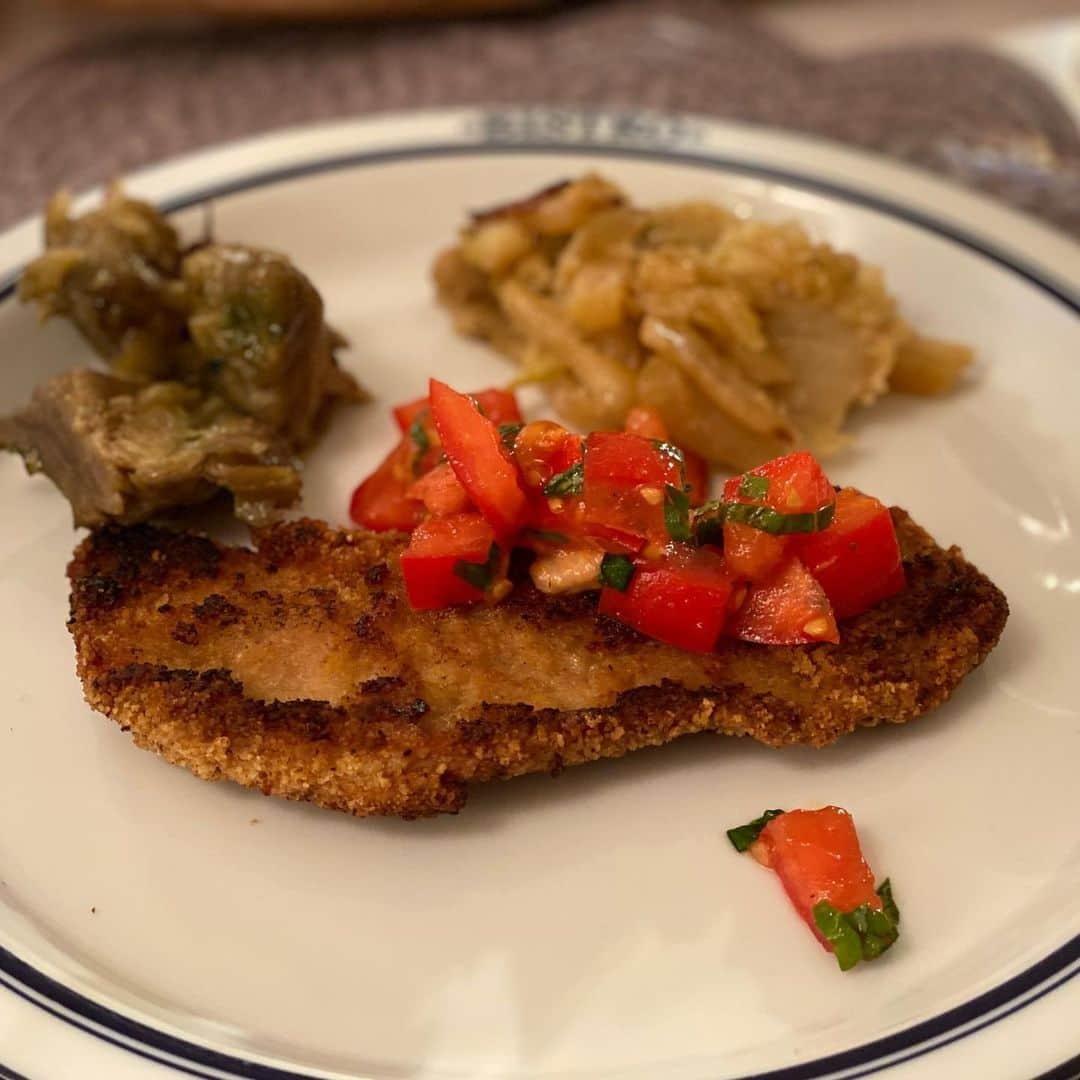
(626, 492)
(544, 449)
(430, 564)
(380, 503)
(479, 459)
(499, 406)
(817, 856)
(645, 421)
(790, 608)
(440, 491)
(750, 553)
(681, 600)
(797, 485)
(857, 558)
(626, 478)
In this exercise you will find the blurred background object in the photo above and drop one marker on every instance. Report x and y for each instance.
(980, 90)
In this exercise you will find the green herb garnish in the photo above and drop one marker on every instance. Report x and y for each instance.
(743, 836)
(676, 512)
(480, 575)
(616, 572)
(508, 433)
(709, 524)
(772, 521)
(888, 904)
(754, 487)
(862, 934)
(569, 482)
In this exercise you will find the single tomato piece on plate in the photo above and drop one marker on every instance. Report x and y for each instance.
(788, 608)
(451, 560)
(818, 858)
(382, 502)
(634, 491)
(479, 459)
(681, 599)
(856, 559)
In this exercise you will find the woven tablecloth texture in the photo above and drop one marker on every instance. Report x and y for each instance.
(102, 109)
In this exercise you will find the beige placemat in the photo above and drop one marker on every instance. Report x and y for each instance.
(98, 111)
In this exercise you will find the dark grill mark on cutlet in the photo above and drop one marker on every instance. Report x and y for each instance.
(381, 684)
(186, 633)
(411, 710)
(376, 575)
(612, 635)
(218, 610)
(326, 600)
(96, 593)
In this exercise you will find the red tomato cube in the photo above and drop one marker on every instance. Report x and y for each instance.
(681, 600)
(790, 608)
(856, 559)
(625, 481)
(479, 459)
(750, 554)
(381, 502)
(430, 564)
(543, 449)
(796, 485)
(440, 491)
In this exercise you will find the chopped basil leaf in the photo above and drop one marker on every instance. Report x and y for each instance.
(479, 575)
(676, 513)
(888, 904)
(709, 524)
(569, 482)
(862, 934)
(616, 572)
(754, 487)
(839, 933)
(772, 521)
(744, 835)
(508, 433)
(550, 535)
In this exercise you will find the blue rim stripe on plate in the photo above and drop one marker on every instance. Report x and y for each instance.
(980, 1012)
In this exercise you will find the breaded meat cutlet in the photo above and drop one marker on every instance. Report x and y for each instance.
(299, 669)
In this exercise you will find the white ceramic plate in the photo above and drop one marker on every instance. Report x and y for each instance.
(597, 925)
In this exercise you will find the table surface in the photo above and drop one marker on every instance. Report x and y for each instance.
(29, 28)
